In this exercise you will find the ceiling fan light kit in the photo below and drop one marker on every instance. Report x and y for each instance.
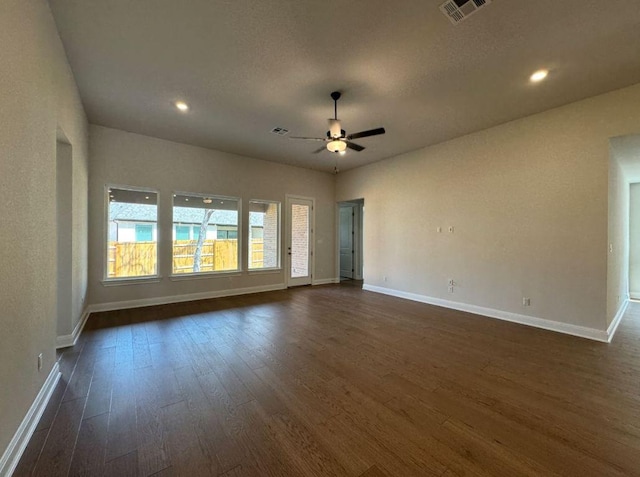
(337, 139)
(337, 146)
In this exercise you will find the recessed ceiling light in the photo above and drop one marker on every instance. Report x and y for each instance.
(182, 106)
(207, 200)
(186, 199)
(539, 75)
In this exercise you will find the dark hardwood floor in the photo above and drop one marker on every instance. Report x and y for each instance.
(337, 381)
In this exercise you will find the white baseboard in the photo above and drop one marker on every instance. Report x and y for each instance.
(634, 295)
(325, 281)
(613, 326)
(21, 438)
(70, 340)
(165, 300)
(575, 330)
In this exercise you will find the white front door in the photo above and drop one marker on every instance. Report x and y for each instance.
(299, 241)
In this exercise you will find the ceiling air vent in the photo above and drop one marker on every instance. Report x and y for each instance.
(458, 10)
(280, 131)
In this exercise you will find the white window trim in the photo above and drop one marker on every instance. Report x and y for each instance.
(114, 282)
(264, 271)
(202, 275)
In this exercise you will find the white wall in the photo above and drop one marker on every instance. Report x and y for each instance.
(127, 159)
(38, 95)
(529, 204)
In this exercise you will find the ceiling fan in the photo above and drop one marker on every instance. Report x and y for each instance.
(337, 140)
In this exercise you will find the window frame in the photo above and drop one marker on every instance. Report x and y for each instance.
(278, 267)
(111, 281)
(210, 273)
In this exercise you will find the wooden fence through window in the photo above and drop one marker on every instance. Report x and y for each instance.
(135, 259)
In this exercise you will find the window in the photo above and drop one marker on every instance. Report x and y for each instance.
(205, 234)
(264, 234)
(132, 242)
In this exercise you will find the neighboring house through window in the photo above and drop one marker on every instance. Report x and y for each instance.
(217, 250)
(183, 232)
(144, 232)
(132, 219)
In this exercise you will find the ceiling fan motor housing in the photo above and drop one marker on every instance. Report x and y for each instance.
(334, 128)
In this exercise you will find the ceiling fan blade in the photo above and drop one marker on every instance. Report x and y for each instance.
(370, 132)
(309, 138)
(317, 151)
(354, 146)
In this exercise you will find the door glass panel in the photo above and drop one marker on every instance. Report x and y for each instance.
(299, 240)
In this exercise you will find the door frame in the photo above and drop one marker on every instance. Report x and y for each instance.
(351, 207)
(287, 238)
(358, 237)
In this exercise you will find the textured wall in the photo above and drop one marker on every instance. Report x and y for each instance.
(38, 96)
(528, 201)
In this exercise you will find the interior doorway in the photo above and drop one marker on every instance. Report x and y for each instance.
(350, 239)
(623, 261)
(64, 238)
(299, 240)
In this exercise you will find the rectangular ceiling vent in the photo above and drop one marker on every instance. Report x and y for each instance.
(458, 10)
(280, 131)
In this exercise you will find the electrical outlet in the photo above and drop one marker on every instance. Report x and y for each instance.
(439, 229)
(40, 362)
(451, 229)
(526, 301)
(451, 283)
(450, 289)
(384, 279)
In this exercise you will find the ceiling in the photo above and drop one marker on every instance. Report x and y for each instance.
(245, 67)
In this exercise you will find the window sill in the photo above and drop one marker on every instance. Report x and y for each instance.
(199, 276)
(264, 271)
(114, 282)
